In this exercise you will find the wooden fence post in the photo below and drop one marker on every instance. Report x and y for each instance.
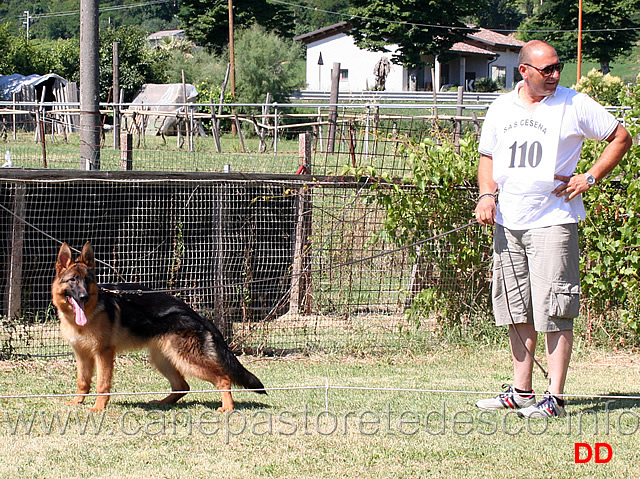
(126, 151)
(333, 109)
(236, 120)
(215, 125)
(14, 302)
(300, 298)
(13, 117)
(458, 122)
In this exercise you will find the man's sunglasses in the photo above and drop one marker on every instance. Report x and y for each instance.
(548, 70)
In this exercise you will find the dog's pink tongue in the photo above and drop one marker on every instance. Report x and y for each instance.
(81, 318)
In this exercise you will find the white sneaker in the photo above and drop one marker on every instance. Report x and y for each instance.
(509, 399)
(548, 407)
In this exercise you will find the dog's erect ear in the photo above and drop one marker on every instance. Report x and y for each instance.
(87, 257)
(64, 258)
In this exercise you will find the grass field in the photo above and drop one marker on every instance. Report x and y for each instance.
(625, 67)
(157, 155)
(304, 429)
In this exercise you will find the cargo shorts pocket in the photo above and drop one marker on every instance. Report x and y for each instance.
(565, 300)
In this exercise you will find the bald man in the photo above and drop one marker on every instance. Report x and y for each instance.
(529, 189)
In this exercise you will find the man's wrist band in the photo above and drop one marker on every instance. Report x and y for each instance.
(486, 194)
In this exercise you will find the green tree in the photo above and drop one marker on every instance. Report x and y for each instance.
(53, 19)
(417, 27)
(5, 45)
(18, 55)
(433, 199)
(60, 19)
(499, 15)
(610, 241)
(266, 63)
(207, 23)
(149, 16)
(139, 63)
(63, 58)
(322, 14)
(609, 28)
(198, 67)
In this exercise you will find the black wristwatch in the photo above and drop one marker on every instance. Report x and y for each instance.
(591, 180)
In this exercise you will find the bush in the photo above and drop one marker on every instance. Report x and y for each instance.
(433, 200)
(266, 63)
(610, 283)
(18, 55)
(485, 85)
(605, 89)
(437, 197)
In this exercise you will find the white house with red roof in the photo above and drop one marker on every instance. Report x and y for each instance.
(482, 54)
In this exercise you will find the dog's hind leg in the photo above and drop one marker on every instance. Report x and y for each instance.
(223, 382)
(169, 371)
(209, 370)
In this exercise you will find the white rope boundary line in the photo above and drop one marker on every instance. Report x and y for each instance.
(326, 387)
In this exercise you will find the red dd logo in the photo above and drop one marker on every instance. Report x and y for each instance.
(584, 452)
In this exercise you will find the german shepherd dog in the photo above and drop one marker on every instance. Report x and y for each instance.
(101, 320)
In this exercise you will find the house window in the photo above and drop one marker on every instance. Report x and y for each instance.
(499, 75)
(344, 75)
(516, 75)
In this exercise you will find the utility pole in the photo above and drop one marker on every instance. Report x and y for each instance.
(116, 95)
(27, 22)
(579, 69)
(232, 67)
(232, 74)
(90, 127)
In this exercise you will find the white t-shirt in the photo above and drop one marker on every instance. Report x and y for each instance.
(529, 147)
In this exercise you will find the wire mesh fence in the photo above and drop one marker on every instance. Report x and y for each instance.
(280, 262)
(264, 138)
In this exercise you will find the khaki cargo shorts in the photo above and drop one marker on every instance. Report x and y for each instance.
(540, 270)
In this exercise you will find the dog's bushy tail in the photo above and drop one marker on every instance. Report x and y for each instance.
(241, 375)
(233, 367)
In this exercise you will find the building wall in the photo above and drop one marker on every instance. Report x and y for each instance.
(479, 65)
(509, 61)
(358, 63)
(358, 66)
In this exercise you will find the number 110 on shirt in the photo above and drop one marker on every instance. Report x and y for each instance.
(530, 155)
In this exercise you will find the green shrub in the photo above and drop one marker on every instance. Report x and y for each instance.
(610, 240)
(605, 89)
(439, 194)
(486, 84)
(422, 210)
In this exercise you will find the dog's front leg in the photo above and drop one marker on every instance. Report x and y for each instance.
(84, 367)
(105, 364)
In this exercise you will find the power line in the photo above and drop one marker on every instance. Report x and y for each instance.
(282, 2)
(38, 16)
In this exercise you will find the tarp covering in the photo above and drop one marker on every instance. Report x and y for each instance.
(10, 84)
(166, 99)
